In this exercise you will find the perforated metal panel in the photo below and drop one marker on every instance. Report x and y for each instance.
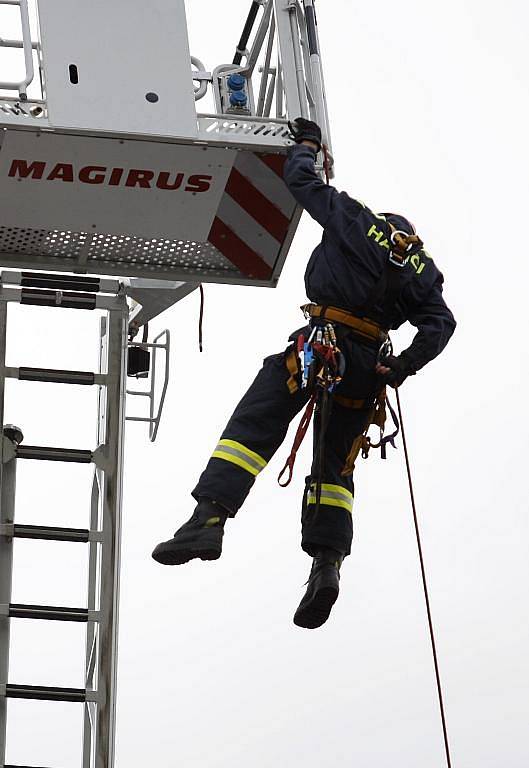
(162, 210)
(114, 254)
(158, 254)
(213, 127)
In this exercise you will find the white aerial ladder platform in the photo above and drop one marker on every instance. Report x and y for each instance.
(107, 167)
(118, 196)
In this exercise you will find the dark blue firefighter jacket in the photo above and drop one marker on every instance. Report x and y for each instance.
(347, 268)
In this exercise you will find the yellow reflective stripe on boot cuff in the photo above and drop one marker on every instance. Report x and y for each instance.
(332, 496)
(237, 453)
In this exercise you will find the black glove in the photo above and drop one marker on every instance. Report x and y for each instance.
(305, 130)
(401, 368)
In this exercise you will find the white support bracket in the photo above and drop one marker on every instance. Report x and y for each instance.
(155, 414)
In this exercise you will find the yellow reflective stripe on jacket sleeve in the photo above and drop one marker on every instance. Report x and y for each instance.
(239, 454)
(332, 496)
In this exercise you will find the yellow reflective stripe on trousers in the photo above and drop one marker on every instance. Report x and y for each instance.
(239, 454)
(332, 496)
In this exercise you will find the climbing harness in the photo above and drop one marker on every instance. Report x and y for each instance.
(321, 367)
(313, 356)
(366, 329)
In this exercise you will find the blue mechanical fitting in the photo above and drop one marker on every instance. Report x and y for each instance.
(236, 82)
(238, 99)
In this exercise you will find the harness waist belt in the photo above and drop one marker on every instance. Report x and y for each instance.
(364, 327)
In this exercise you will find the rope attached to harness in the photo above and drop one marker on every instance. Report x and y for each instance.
(425, 586)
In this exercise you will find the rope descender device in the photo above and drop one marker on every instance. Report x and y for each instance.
(322, 363)
(322, 367)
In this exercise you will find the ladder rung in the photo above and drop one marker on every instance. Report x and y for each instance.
(57, 298)
(45, 693)
(56, 376)
(51, 533)
(44, 453)
(60, 282)
(48, 613)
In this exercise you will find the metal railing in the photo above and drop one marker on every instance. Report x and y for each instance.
(279, 57)
(26, 45)
(154, 417)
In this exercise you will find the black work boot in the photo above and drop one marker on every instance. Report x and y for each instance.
(322, 590)
(200, 537)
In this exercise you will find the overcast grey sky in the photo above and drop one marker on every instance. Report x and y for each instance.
(428, 109)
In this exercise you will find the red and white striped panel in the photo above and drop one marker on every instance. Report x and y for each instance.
(254, 214)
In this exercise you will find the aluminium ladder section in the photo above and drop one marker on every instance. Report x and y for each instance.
(103, 535)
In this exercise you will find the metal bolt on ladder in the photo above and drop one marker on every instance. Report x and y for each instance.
(102, 537)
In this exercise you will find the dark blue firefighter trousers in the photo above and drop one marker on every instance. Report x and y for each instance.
(259, 425)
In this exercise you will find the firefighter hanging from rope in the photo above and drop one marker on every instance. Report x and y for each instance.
(369, 274)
